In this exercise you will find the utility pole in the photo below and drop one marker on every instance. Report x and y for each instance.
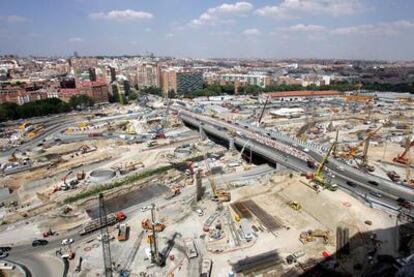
(105, 237)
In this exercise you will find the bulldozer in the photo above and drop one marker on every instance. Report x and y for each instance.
(295, 205)
(312, 235)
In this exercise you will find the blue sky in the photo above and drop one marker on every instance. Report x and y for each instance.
(367, 29)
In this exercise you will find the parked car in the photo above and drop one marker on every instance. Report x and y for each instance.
(67, 241)
(3, 255)
(351, 184)
(200, 212)
(111, 237)
(147, 208)
(376, 194)
(5, 248)
(39, 242)
(374, 183)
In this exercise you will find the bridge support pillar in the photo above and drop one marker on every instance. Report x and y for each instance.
(231, 144)
(202, 133)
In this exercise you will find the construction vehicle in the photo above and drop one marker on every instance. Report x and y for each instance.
(318, 177)
(311, 164)
(293, 258)
(123, 232)
(86, 149)
(393, 176)
(80, 175)
(312, 235)
(147, 225)
(96, 224)
(48, 233)
(174, 191)
(402, 158)
(295, 205)
(24, 125)
(206, 266)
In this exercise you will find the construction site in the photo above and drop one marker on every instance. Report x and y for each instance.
(247, 186)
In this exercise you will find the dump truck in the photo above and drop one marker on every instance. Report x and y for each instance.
(95, 224)
(123, 232)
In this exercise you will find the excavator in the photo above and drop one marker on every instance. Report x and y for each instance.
(311, 235)
(318, 178)
(147, 225)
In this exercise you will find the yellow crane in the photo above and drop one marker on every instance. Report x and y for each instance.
(318, 177)
(219, 195)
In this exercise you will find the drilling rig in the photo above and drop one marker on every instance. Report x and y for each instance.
(156, 257)
(105, 237)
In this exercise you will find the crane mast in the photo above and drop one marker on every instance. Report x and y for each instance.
(105, 237)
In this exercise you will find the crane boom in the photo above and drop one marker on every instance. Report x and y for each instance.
(324, 160)
(263, 110)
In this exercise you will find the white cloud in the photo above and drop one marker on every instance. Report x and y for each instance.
(13, 18)
(122, 15)
(148, 30)
(75, 39)
(303, 28)
(169, 35)
(384, 28)
(294, 8)
(236, 8)
(251, 32)
(215, 15)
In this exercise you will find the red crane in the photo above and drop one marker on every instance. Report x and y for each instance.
(402, 159)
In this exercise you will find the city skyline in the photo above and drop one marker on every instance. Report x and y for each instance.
(264, 29)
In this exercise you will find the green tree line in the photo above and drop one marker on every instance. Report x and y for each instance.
(216, 89)
(13, 111)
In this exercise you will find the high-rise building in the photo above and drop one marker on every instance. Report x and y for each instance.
(112, 73)
(148, 75)
(252, 78)
(168, 80)
(181, 82)
(189, 81)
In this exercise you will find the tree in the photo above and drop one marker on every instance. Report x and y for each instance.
(171, 94)
(132, 95)
(81, 101)
(152, 90)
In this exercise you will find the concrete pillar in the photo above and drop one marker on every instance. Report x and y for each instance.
(198, 185)
(202, 133)
(231, 144)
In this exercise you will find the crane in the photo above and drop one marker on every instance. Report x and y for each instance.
(263, 110)
(105, 237)
(219, 195)
(318, 176)
(402, 158)
(354, 150)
